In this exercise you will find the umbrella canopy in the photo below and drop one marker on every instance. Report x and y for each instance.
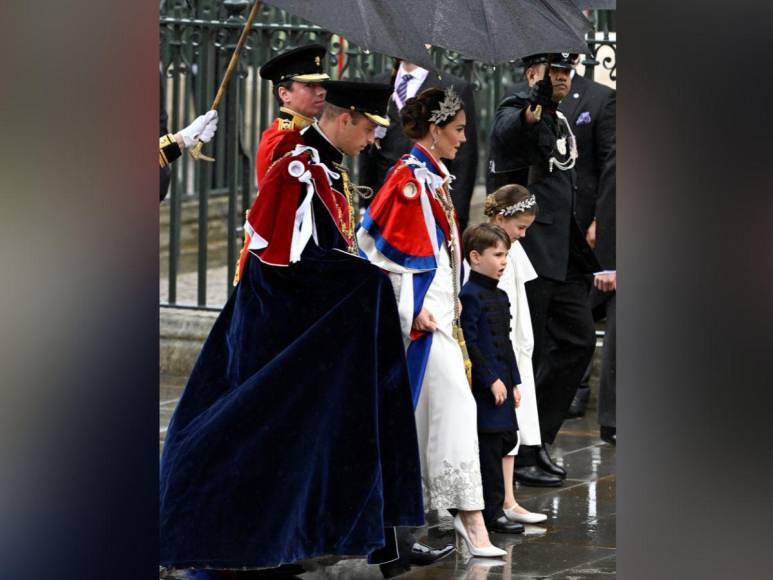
(384, 26)
(596, 4)
(497, 31)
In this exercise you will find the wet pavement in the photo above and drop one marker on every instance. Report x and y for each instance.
(577, 542)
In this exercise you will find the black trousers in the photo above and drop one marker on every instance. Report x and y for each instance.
(564, 339)
(598, 303)
(492, 448)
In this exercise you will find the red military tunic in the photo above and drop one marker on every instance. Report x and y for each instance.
(287, 120)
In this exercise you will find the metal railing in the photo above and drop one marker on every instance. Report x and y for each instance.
(203, 213)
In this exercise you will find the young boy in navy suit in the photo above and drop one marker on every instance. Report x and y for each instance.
(495, 378)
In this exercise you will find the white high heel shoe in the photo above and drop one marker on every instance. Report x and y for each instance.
(527, 518)
(487, 552)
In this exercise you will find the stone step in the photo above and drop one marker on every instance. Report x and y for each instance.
(182, 333)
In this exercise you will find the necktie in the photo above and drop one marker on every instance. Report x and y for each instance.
(402, 90)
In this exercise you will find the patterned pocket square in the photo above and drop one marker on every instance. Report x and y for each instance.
(583, 119)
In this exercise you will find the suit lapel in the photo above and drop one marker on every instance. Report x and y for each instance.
(394, 114)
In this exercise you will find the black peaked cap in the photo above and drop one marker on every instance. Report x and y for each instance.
(557, 59)
(302, 64)
(370, 99)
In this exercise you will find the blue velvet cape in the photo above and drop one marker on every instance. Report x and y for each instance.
(295, 435)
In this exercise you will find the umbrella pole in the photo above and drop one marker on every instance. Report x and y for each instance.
(537, 109)
(195, 152)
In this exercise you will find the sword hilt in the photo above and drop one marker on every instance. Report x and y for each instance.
(195, 153)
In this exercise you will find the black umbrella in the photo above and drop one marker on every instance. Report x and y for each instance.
(596, 4)
(385, 26)
(497, 31)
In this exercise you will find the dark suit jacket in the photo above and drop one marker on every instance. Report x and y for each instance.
(605, 219)
(486, 323)
(590, 108)
(374, 163)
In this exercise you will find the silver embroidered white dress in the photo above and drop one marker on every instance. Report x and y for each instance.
(446, 413)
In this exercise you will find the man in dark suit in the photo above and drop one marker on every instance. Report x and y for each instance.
(606, 282)
(410, 80)
(590, 109)
(532, 144)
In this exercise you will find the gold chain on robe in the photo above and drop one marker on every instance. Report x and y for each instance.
(448, 209)
(347, 228)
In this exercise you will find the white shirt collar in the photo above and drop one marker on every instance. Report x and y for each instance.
(419, 76)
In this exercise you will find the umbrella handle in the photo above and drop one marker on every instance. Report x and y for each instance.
(537, 109)
(546, 75)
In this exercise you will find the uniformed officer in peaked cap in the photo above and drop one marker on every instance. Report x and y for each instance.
(296, 76)
(533, 145)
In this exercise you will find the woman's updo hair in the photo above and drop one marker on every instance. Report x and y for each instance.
(417, 110)
(508, 196)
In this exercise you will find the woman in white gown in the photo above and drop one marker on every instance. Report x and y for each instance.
(513, 208)
(411, 231)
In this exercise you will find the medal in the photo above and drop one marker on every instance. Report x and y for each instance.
(561, 145)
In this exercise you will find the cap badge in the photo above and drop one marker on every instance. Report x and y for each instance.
(316, 60)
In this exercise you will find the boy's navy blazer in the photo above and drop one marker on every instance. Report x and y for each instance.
(486, 322)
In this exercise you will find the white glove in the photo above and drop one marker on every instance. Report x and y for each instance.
(203, 128)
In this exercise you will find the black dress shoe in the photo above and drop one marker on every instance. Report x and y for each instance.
(546, 462)
(423, 555)
(395, 568)
(609, 434)
(502, 525)
(535, 476)
(579, 403)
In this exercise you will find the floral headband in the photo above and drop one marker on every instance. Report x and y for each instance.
(522, 205)
(449, 106)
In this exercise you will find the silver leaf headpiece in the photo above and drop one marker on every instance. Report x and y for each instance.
(449, 106)
(522, 205)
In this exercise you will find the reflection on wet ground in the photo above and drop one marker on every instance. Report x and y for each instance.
(577, 542)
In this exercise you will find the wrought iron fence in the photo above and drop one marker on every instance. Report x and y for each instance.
(203, 214)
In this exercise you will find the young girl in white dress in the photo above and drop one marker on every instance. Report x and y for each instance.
(513, 208)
